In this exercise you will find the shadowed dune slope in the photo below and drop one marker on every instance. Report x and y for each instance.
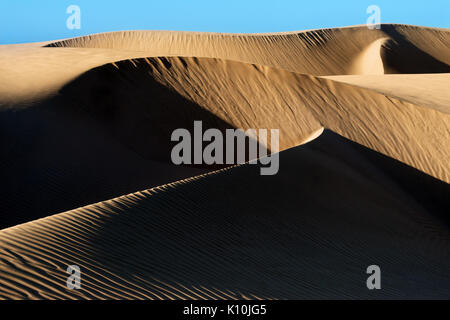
(251, 96)
(344, 207)
(405, 49)
(108, 132)
(54, 160)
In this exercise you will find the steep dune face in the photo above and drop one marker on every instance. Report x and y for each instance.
(250, 96)
(370, 61)
(179, 242)
(134, 98)
(320, 52)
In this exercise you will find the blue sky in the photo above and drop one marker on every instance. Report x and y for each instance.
(40, 20)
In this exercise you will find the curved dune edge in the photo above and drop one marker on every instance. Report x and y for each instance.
(295, 104)
(175, 242)
(314, 135)
(369, 61)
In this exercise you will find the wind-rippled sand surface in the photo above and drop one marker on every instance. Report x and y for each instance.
(364, 147)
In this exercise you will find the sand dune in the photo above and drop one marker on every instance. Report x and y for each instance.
(122, 115)
(180, 241)
(364, 132)
(40, 71)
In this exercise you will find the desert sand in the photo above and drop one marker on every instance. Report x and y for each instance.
(87, 179)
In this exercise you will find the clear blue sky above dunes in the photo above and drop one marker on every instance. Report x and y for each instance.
(33, 20)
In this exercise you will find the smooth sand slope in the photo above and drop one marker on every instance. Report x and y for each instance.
(309, 232)
(429, 90)
(89, 119)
